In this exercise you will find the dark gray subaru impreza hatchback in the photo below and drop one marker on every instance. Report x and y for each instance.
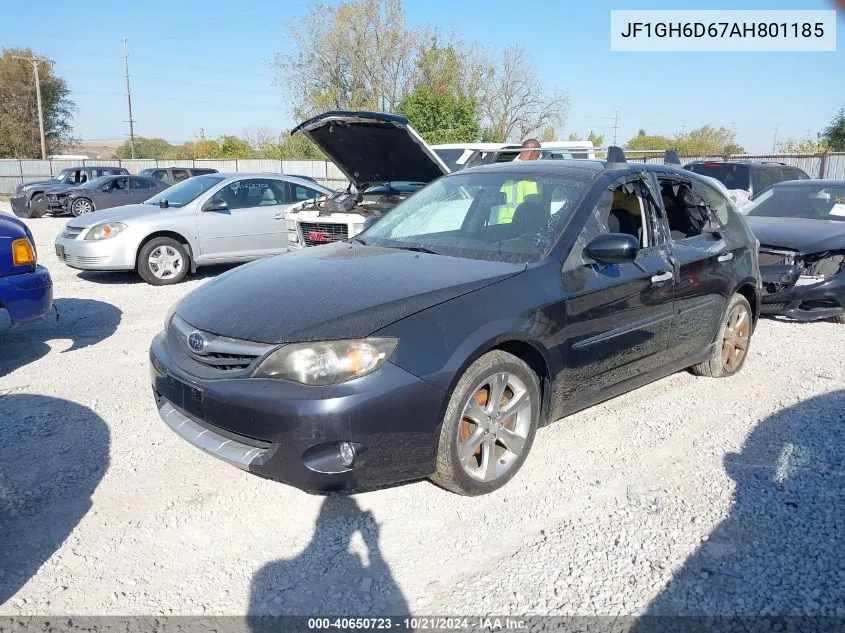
(436, 342)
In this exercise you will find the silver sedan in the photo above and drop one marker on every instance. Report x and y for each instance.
(210, 219)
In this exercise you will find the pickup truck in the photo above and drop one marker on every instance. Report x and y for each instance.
(26, 289)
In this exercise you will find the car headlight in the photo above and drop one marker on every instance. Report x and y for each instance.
(326, 363)
(105, 230)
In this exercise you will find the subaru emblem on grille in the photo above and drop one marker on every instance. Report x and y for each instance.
(196, 341)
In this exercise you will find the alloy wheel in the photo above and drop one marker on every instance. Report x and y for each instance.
(494, 427)
(81, 207)
(737, 336)
(165, 262)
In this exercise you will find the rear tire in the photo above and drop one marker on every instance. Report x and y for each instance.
(731, 349)
(163, 261)
(81, 206)
(484, 442)
(839, 318)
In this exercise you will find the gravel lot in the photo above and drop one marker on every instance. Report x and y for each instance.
(691, 495)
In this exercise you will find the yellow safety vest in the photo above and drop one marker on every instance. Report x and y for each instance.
(515, 193)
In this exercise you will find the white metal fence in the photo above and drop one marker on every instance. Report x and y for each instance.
(13, 171)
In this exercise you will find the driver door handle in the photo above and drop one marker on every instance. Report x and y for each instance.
(662, 277)
(725, 257)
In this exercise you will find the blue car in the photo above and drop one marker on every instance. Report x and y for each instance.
(26, 290)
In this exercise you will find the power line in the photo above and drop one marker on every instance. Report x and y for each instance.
(129, 99)
(775, 142)
(615, 125)
(35, 60)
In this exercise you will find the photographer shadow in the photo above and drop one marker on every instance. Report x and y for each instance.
(328, 577)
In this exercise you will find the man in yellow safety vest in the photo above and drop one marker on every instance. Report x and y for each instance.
(517, 190)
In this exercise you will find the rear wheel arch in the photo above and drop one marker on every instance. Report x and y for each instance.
(749, 291)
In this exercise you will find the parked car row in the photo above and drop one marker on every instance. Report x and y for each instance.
(445, 315)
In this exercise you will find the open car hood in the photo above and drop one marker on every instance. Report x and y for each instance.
(373, 147)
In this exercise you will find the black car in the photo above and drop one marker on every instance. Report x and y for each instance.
(172, 175)
(29, 199)
(801, 228)
(103, 193)
(436, 342)
(753, 177)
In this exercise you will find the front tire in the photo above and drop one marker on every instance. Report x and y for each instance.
(163, 261)
(489, 425)
(37, 205)
(734, 338)
(839, 318)
(81, 206)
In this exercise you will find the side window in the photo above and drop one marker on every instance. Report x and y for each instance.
(300, 193)
(139, 183)
(716, 202)
(180, 175)
(120, 184)
(245, 194)
(766, 177)
(159, 174)
(620, 209)
(792, 173)
(687, 212)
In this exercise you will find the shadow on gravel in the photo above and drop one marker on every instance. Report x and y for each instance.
(84, 321)
(327, 578)
(131, 277)
(53, 454)
(780, 552)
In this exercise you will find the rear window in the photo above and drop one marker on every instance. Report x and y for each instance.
(732, 175)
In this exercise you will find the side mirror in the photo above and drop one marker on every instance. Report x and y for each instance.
(215, 204)
(368, 222)
(613, 248)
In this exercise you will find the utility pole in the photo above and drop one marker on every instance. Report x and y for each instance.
(129, 99)
(683, 127)
(775, 142)
(615, 125)
(35, 60)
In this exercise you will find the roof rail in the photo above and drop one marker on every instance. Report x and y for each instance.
(615, 158)
(671, 158)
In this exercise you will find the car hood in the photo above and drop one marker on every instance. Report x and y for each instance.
(38, 183)
(373, 147)
(11, 227)
(60, 188)
(800, 234)
(120, 214)
(332, 292)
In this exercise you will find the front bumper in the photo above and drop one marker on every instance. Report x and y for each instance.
(58, 204)
(117, 253)
(19, 203)
(287, 432)
(28, 296)
(801, 303)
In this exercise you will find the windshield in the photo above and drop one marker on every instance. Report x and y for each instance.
(452, 158)
(814, 202)
(732, 175)
(186, 191)
(501, 216)
(63, 174)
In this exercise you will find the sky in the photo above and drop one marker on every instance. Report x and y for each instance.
(206, 66)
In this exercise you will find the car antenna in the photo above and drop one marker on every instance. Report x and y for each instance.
(671, 158)
(615, 158)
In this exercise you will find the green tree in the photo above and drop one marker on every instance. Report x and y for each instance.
(644, 141)
(596, 139)
(441, 116)
(708, 141)
(834, 134)
(802, 146)
(145, 148)
(19, 133)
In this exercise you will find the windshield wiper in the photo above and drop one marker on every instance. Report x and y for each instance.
(415, 248)
(359, 240)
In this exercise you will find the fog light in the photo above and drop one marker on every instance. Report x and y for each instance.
(347, 453)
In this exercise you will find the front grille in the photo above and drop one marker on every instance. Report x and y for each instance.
(72, 232)
(318, 233)
(220, 354)
(776, 258)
